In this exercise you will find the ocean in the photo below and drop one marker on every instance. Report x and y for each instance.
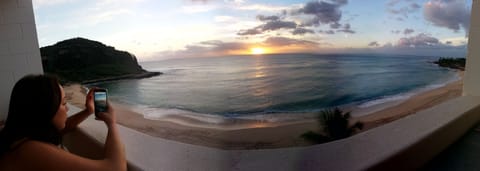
(239, 86)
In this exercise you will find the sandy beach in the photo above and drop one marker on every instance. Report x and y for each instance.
(243, 133)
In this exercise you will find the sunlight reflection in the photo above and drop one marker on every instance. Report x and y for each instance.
(260, 89)
(259, 124)
(259, 68)
(259, 74)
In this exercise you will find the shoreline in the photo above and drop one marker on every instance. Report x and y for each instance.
(414, 104)
(258, 132)
(146, 74)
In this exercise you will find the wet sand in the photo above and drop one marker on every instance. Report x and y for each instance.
(243, 133)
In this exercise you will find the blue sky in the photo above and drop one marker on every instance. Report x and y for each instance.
(153, 29)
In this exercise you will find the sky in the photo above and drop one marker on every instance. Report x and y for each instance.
(161, 29)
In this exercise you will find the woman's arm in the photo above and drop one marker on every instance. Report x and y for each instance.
(114, 149)
(42, 156)
(73, 121)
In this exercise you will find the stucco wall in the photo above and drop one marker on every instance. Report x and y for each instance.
(19, 50)
(472, 80)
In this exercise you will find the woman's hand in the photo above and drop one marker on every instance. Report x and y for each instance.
(108, 117)
(73, 121)
(89, 104)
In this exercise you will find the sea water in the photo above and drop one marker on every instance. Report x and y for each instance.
(292, 84)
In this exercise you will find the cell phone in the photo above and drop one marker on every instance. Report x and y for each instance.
(100, 100)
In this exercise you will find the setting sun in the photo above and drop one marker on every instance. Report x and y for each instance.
(257, 51)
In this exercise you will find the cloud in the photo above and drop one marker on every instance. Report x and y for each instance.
(271, 25)
(203, 1)
(224, 19)
(267, 18)
(44, 3)
(260, 7)
(317, 13)
(302, 31)
(346, 29)
(419, 45)
(443, 50)
(408, 31)
(340, 2)
(284, 41)
(221, 48)
(393, 2)
(312, 13)
(100, 12)
(420, 40)
(327, 32)
(335, 25)
(275, 25)
(455, 41)
(396, 31)
(404, 10)
(405, 31)
(253, 31)
(206, 49)
(415, 6)
(226, 1)
(107, 15)
(192, 9)
(451, 14)
(117, 3)
(323, 12)
(374, 43)
(235, 1)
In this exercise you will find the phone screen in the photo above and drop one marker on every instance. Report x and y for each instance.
(100, 100)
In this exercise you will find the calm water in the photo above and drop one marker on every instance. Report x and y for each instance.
(292, 83)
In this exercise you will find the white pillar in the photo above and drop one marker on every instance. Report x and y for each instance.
(19, 50)
(471, 84)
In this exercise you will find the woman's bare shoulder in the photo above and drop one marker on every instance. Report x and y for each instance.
(33, 144)
(33, 149)
(44, 156)
(24, 150)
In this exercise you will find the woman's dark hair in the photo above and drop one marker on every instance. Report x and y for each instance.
(34, 102)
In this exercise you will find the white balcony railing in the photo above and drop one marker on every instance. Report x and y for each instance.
(405, 144)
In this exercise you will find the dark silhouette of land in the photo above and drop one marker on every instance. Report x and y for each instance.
(80, 60)
(454, 63)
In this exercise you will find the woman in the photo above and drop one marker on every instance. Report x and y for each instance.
(36, 121)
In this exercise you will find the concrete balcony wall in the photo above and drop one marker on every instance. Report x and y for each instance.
(19, 50)
(406, 144)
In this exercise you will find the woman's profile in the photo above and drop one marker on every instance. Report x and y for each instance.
(36, 121)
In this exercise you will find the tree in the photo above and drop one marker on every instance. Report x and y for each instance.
(454, 63)
(334, 124)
